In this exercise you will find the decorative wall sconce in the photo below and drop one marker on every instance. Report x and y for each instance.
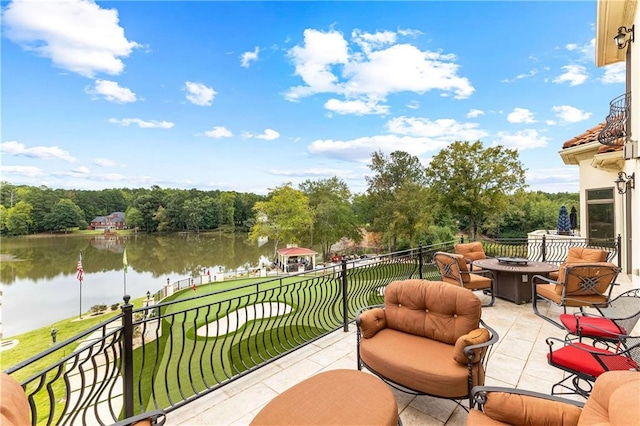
(622, 35)
(625, 181)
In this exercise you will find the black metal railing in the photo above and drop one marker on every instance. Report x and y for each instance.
(616, 125)
(170, 353)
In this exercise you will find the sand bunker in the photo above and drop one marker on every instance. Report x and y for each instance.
(238, 318)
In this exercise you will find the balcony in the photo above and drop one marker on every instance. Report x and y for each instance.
(519, 360)
(217, 356)
(616, 127)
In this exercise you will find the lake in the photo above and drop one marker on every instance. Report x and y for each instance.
(39, 285)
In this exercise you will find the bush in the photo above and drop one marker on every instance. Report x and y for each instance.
(115, 306)
(96, 309)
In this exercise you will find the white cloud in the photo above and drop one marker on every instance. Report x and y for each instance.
(111, 91)
(574, 75)
(520, 76)
(570, 114)
(414, 135)
(81, 170)
(413, 105)
(445, 129)
(571, 46)
(218, 132)
(356, 107)
(39, 152)
(521, 140)
(103, 162)
(248, 57)
(77, 35)
(373, 67)
(267, 135)
(550, 122)
(520, 115)
(27, 171)
(143, 124)
(199, 94)
(313, 172)
(550, 179)
(475, 113)
(615, 73)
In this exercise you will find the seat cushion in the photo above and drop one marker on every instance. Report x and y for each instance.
(335, 397)
(477, 282)
(614, 400)
(549, 292)
(14, 407)
(591, 326)
(577, 357)
(424, 365)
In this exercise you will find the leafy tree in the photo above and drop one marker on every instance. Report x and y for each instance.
(3, 219)
(286, 216)
(394, 178)
(133, 218)
(474, 182)
(19, 218)
(162, 219)
(333, 216)
(64, 215)
(147, 204)
(42, 200)
(194, 213)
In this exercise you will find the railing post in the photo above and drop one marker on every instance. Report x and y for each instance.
(345, 301)
(544, 248)
(420, 260)
(619, 250)
(127, 356)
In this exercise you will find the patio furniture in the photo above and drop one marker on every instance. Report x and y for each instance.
(585, 363)
(582, 255)
(336, 397)
(614, 401)
(15, 409)
(471, 251)
(578, 285)
(454, 270)
(611, 322)
(427, 339)
(513, 278)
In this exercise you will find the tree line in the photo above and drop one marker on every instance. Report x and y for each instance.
(465, 187)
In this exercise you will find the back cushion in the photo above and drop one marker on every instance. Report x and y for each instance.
(432, 309)
(571, 274)
(471, 251)
(444, 259)
(587, 255)
(613, 400)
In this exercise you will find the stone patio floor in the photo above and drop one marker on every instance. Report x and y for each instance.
(517, 360)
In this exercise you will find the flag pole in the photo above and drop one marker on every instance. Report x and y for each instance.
(125, 264)
(80, 277)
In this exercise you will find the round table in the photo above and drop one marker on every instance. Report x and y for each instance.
(513, 279)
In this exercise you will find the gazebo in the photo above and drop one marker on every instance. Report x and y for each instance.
(296, 255)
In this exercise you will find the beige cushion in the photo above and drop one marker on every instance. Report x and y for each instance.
(425, 365)
(432, 309)
(528, 410)
(614, 400)
(472, 251)
(14, 407)
(474, 337)
(586, 255)
(335, 397)
(372, 321)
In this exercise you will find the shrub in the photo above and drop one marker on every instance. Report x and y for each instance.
(115, 306)
(98, 308)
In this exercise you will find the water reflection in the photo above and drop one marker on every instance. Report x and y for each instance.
(39, 285)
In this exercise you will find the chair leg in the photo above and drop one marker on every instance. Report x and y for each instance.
(576, 387)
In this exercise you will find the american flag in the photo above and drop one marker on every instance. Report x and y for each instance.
(80, 274)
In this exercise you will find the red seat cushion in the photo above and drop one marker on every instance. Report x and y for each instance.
(576, 357)
(591, 326)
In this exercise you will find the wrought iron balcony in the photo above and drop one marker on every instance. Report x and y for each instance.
(616, 122)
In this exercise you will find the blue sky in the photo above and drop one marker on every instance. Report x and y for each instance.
(246, 96)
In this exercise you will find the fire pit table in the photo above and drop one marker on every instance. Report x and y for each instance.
(513, 276)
